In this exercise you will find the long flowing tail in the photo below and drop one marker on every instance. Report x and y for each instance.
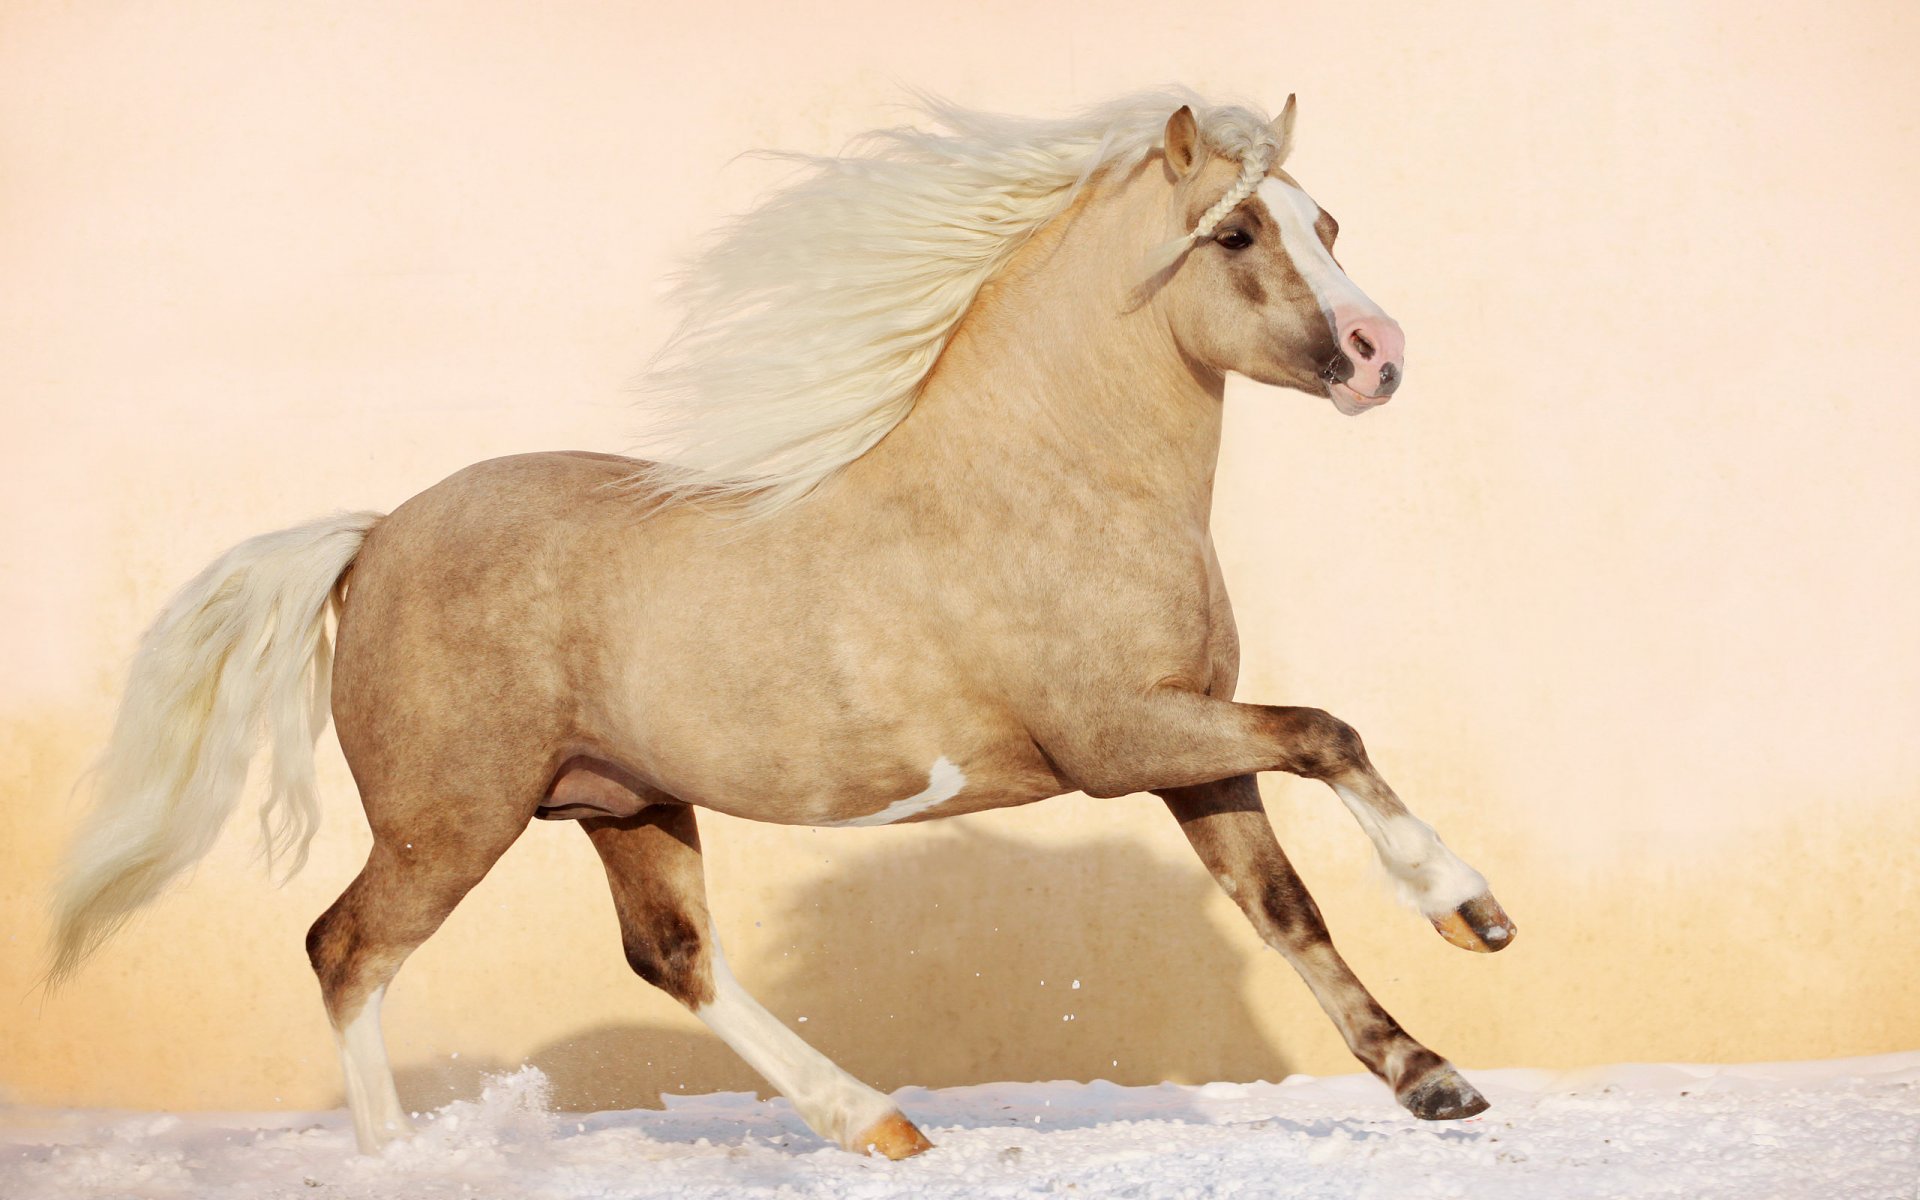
(241, 655)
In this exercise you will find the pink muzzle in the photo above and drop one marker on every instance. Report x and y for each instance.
(1373, 343)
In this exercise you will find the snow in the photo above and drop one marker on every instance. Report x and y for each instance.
(1844, 1128)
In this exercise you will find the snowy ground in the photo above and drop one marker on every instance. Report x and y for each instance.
(1848, 1128)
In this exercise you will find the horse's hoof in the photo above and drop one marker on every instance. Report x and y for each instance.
(892, 1136)
(1480, 925)
(1443, 1095)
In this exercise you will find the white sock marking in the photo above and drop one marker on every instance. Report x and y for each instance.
(1430, 877)
(833, 1103)
(377, 1115)
(944, 782)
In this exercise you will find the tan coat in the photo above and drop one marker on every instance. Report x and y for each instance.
(1013, 595)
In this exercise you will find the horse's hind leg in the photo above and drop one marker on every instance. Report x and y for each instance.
(1229, 829)
(659, 888)
(423, 861)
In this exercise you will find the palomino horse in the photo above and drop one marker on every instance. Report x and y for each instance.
(930, 537)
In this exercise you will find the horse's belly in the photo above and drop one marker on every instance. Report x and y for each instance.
(801, 735)
(848, 772)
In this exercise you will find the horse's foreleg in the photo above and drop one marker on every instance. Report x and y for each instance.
(1177, 739)
(1229, 830)
(659, 888)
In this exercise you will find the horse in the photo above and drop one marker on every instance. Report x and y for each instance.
(928, 535)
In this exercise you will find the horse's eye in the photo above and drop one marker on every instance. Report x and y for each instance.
(1235, 239)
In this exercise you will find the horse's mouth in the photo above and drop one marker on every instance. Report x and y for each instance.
(1351, 402)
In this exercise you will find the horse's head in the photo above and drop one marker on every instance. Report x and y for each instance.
(1249, 284)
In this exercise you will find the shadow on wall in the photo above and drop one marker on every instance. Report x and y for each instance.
(905, 969)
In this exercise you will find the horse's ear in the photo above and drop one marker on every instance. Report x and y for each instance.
(1182, 141)
(1283, 130)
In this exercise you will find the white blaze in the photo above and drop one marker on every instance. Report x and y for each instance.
(1295, 213)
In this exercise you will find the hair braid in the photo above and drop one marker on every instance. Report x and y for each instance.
(1253, 168)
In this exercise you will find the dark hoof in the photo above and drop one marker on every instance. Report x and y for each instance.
(1443, 1096)
(1480, 925)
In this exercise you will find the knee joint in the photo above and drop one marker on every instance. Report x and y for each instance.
(1319, 745)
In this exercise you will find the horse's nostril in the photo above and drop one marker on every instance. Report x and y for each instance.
(1389, 379)
(1361, 344)
(1337, 369)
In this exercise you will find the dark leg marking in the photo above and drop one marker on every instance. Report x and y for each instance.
(1229, 830)
(653, 866)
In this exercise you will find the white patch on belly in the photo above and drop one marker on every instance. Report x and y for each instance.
(944, 782)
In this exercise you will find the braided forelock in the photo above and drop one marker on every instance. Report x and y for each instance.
(1253, 168)
(1256, 154)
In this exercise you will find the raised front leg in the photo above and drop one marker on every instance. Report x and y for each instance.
(1175, 739)
(1229, 830)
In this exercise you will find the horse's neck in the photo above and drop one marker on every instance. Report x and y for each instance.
(1051, 385)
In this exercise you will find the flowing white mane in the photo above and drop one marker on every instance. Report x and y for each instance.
(812, 320)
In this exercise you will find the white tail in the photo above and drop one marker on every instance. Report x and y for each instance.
(240, 654)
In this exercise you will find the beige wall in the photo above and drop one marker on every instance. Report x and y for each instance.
(1620, 589)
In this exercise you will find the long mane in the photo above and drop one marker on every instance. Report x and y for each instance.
(812, 321)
